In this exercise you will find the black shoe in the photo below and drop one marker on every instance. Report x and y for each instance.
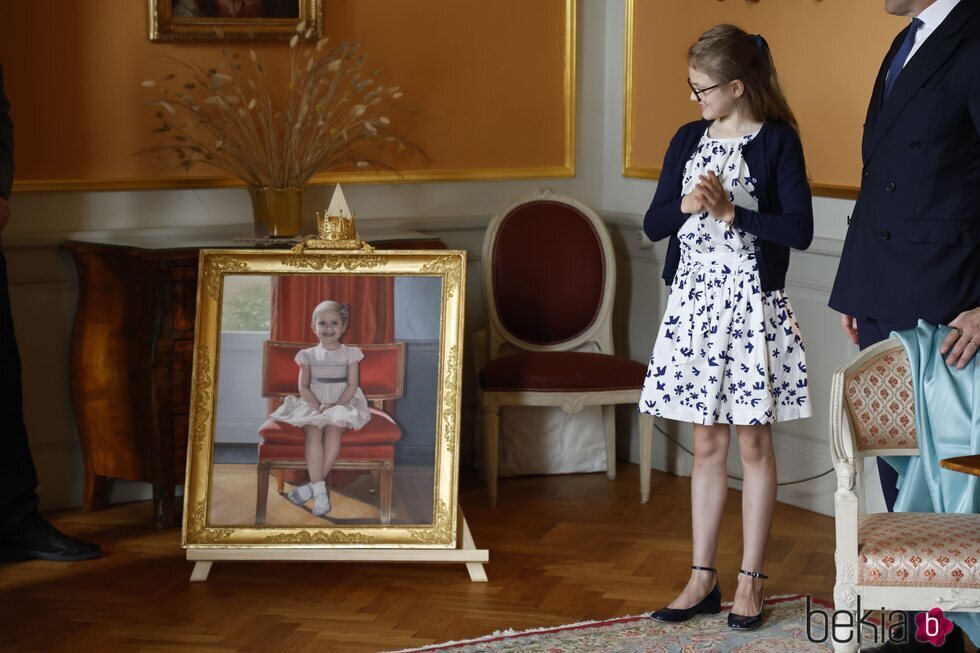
(742, 622)
(37, 539)
(710, 604)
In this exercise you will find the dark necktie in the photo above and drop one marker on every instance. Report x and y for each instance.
(898, 61)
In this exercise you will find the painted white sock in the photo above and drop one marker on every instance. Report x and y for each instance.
(301, 494)
(321, 499)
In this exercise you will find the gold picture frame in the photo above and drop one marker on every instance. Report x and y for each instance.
(185, 20)
(427, 294)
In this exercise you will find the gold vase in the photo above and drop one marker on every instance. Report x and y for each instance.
(277, 212)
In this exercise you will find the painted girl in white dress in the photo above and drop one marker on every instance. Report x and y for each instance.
(329, 403)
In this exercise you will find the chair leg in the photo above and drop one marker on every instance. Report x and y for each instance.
(609, 426)
(280, 475)
(845, 599)
(491, 431)
(386, 477)
(646, 455)
(261, 491)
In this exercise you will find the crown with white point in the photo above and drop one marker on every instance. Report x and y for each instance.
(336, 224)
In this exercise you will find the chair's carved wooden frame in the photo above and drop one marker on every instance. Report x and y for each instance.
(849, 508)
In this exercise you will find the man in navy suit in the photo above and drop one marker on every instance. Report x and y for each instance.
(913, 241)
(24, 533)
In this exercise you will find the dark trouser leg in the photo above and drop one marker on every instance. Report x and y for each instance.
(18, 479)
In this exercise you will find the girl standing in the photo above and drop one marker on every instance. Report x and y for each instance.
(330, 401)
(733, 197)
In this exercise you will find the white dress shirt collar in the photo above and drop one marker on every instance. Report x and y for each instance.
(932, 17)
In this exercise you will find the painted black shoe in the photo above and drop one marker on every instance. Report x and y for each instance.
(748, 622)
(710, 604)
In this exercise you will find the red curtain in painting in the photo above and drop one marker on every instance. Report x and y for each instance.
(371, 301)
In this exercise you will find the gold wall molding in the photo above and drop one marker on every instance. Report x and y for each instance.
(108, 169)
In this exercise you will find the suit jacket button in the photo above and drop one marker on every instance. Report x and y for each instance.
(865, 173)
(885, 235)
(890, 187)
(915, 145)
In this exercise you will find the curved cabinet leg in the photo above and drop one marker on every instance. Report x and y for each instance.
(97, 490)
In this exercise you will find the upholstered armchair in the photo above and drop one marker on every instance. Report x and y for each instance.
(549, 278)
(904, 560)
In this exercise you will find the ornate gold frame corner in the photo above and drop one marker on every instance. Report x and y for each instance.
(269, 542)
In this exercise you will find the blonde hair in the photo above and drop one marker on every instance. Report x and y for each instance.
(335, 307)
(726, 53)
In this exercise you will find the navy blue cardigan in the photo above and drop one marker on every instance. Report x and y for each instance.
(785, 215)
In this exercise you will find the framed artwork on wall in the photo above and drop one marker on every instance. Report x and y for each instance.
(175, 20)
(325, 404)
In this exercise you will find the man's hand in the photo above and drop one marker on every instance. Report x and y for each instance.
(4, 213)
(962, 342)
(850, 326)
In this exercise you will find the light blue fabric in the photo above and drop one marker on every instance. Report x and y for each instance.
(947, 421)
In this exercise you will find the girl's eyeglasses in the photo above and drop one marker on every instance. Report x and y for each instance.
(698, 92)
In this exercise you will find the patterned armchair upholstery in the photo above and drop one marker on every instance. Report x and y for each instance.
(902, 561)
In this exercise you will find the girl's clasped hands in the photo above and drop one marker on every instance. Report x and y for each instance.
(710, 196)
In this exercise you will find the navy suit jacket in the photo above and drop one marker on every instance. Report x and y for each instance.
(913, 243)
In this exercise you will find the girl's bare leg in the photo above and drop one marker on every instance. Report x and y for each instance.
(758, 502)
(709, 485)
(331, 446)
(314, 452)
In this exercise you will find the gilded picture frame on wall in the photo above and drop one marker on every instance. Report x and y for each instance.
(299, 352)
(182, 20)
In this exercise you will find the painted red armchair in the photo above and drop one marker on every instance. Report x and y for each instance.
(372, 448)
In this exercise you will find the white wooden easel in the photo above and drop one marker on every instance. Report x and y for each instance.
(465, 552)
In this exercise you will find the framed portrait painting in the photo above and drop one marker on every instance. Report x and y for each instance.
(325, 405)
(174, 20)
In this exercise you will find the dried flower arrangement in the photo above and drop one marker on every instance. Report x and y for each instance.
(238, 118)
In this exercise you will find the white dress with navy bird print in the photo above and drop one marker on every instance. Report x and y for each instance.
(727, 351)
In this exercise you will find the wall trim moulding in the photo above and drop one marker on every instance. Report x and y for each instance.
(566, 169)
(321, 179)
(638, 172)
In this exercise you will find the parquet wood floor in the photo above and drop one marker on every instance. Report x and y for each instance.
(562, 549)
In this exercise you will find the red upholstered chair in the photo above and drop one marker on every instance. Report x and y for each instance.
(549, 276)
(372, 448)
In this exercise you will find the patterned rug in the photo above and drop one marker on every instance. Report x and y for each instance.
(784, 630)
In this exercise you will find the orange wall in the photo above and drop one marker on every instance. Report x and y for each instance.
(487, 79)
(827, 53)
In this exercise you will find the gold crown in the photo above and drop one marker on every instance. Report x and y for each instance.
(335, 227)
